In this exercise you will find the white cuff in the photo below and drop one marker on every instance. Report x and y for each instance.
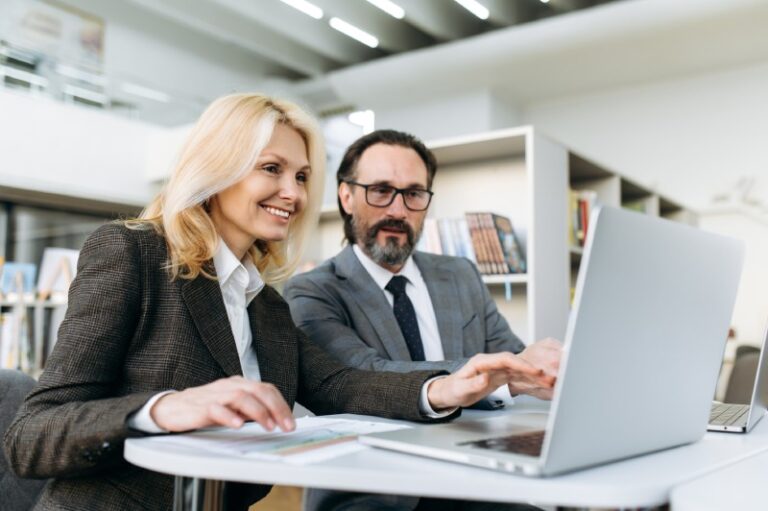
(424, 406)
(142, 420)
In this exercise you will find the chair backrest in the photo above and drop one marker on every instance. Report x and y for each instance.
(17, 494)
(742, 380)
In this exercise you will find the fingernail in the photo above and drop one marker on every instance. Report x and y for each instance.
(270, 425)
(236, 423)
(288, 425)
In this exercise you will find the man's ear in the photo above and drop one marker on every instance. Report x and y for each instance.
(346, 198)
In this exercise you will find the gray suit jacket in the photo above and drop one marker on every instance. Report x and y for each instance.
(130, 332)
(340, 307)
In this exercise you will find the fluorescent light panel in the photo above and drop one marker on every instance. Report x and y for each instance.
(475, 8)
(389, 7)
(307, 8)
(352, 31)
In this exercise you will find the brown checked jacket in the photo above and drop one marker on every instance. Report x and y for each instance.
(130, 332)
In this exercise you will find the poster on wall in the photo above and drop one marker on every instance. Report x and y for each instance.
(54, 30)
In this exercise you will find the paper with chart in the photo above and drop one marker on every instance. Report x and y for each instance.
(314, 439)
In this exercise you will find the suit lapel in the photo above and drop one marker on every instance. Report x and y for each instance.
(445, 301)
(206, 306)
(275, 352)
(373, 304)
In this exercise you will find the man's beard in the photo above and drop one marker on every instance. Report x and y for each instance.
(391, 254)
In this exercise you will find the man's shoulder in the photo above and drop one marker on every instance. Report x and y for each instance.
(444, 261)
(320, 276)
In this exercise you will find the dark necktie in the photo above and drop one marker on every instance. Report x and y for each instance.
(406, 317)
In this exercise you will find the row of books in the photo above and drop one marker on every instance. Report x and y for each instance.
(487, 239)
(58, 267)
(15, 349)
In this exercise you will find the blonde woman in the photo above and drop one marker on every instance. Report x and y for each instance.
(173, 324)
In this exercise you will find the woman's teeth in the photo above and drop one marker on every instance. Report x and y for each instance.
(277, 212)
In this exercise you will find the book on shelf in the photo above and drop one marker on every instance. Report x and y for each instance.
(639, 205)
(17, 281)
(57, 270)
(580, 205)
(486, 239)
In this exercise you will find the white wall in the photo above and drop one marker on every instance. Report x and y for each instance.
(751, 312)
(691, 138)
(64, 149)
(473, 112)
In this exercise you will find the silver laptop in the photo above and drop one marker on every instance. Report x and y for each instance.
(740, 418)
(641, 356)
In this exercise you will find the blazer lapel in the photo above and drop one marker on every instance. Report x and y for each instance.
(445, 300)
(274, 342)
(206, 306)
(373, 304)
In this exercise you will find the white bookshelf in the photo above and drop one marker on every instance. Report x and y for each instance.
(525, 176)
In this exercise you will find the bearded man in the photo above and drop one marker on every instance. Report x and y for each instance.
(380, 305)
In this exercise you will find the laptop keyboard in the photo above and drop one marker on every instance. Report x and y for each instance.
(518, 443)
(728, 415)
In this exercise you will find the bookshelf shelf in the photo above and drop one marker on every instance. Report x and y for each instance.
(525, 176)
(514, 278)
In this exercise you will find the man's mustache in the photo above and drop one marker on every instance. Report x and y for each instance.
(392, 223)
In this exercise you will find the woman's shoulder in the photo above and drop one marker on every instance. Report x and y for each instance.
(119, 236)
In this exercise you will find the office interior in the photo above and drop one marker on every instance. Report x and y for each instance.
(96, 96)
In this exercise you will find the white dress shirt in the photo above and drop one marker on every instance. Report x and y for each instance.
(417, 292)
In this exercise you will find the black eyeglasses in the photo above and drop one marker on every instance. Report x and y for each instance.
(381, 196)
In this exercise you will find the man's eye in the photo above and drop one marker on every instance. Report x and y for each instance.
(415, 194)
(382, 190)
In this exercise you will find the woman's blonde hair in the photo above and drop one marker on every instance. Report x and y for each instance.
(220, 151)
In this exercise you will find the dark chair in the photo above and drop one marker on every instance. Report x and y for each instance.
(17, 494)
(742, 379)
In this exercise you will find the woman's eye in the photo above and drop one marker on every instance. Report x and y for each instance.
(271, 168)
(302, 177)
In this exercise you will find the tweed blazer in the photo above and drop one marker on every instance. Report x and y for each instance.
(129, 332)
(341, 308)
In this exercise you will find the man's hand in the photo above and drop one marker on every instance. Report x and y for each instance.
(544, 354)
(483, 374)
(226, 402)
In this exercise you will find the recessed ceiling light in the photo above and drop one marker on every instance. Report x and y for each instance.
(475, 8)
(307, 8)
(389, 7)
(545, 1)
(355, 33)
(363, 118)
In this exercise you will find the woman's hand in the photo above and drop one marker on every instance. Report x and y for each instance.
(226, 402)
(483, 374)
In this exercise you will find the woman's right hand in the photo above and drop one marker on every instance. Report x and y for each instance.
(226, 402)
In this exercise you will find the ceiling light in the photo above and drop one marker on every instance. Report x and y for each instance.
(354, 32)
(307, 8)
(545, 1)
(389, 7)
(475, 8)
(145, 92)
(363, 118)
